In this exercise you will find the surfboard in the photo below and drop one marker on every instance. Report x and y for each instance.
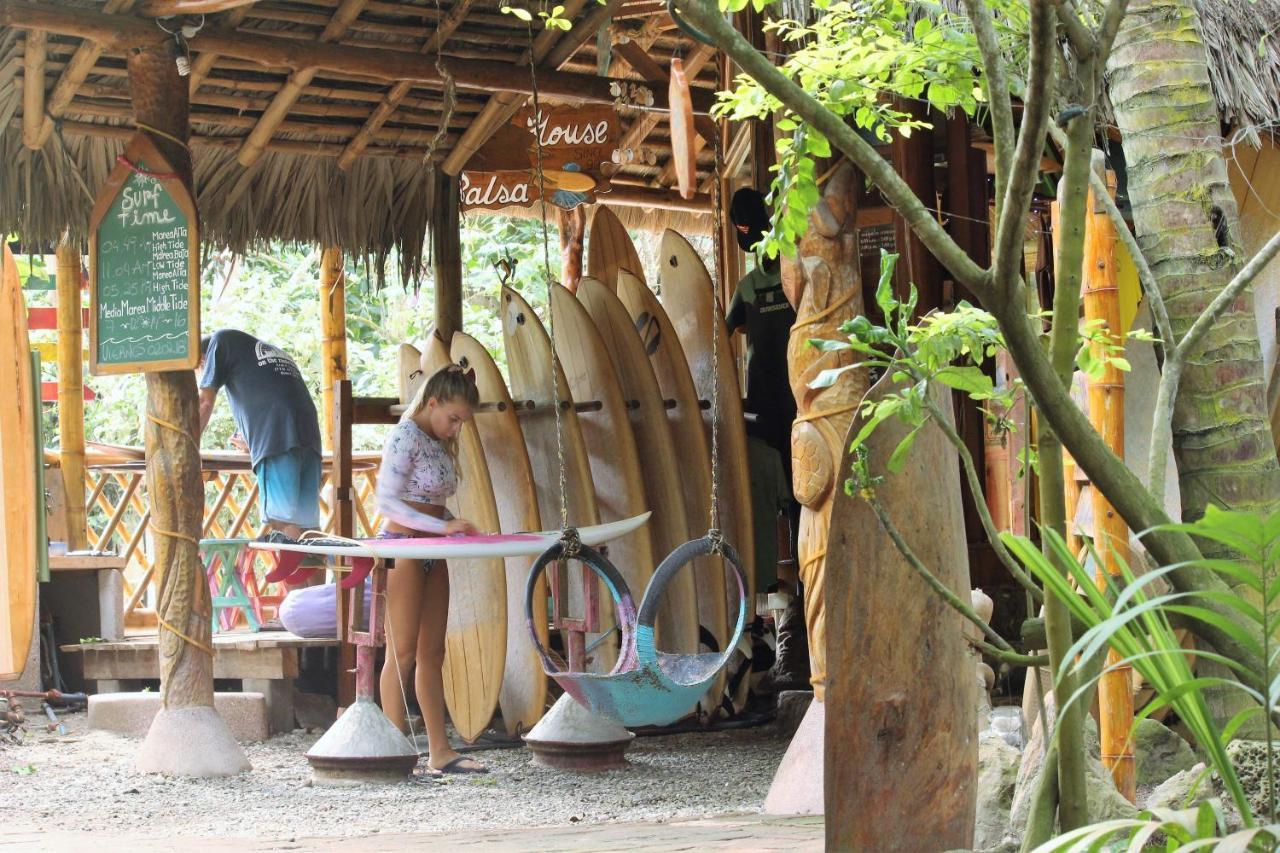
(523, 697)
(476, 639)
(692, 451)
(18, 501)
(529, 365)
(517, 544)
(677, 623)
(687, 298)
(606, 431)
(409, 372)
(609, 249)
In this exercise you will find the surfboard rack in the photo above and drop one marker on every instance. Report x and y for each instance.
(646, 686)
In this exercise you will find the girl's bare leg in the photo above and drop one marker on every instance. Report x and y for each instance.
(405, 585)
(429, 682)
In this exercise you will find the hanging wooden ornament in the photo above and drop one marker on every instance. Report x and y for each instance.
(683, 155)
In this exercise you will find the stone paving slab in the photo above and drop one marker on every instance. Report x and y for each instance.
(744, 833)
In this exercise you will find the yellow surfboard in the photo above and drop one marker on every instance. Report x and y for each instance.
(476, 639)
(523, 697)
(18, 502)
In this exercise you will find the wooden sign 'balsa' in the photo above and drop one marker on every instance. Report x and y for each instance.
(572, 146)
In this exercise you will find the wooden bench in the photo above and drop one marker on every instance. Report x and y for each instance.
(265, 662)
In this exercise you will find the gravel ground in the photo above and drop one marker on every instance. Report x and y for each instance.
(85, 781)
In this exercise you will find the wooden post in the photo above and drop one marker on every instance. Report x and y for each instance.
(573, 234)
(913, 160)
(34, 53)
(71, 394)
(1110, 535)
(174, 485)
(333, 333)
(187, 737)
(446, 254)
(344, 524)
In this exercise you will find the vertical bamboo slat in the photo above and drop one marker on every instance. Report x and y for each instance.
(333, 333)
(1111, 536)
(70, 394)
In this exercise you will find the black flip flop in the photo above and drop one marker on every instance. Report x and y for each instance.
(454, 766)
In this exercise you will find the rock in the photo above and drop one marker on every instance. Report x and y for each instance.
(997, 778)
(1007, 723)
(1176, 791)
(1160, 753)
(792, 706)
(1105, 802)
(314, 710)
(1250, 760)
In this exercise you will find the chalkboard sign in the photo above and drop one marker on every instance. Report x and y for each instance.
(144, 253)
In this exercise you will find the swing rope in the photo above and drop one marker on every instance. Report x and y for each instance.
(717, 231)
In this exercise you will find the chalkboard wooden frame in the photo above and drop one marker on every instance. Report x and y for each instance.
(141, 149)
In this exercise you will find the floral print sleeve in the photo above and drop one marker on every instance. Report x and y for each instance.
(415, 467)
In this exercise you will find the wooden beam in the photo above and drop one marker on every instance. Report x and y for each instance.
(167, 8)
(501, 107)
(78, 68)
(446, 254)
(583, 30)
(205, 60)
(71, 394)
(657, 199)
(33, 89)
(285, 146)
(120, 33)
(391, 102)
(256, 142)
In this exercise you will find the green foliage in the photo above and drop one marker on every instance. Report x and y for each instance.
(1133, 616)
(855, 58)
(1202, 828)
(949, 348)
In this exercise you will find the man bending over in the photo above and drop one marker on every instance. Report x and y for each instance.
(274, 412)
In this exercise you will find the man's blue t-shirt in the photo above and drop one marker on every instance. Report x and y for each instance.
(269, 400)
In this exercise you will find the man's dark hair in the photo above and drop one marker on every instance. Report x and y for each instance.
(750, 216)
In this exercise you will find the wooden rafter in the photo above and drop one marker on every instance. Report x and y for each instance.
(204, 62)
(256, 142)
(391, 101)
(33, 89)
(638, 58)
(504, 105)
(78, 68)
(120, 33)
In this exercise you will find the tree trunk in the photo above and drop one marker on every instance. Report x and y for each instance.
(1189, 229)
(187, 737)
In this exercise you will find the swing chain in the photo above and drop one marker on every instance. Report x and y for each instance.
(717, 238)
(546, 271)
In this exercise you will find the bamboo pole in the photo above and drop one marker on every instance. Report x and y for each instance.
(34, 52)
(70, 393)
(333, 331)
(1111, 536)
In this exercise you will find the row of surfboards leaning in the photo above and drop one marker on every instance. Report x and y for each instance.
(639, 384)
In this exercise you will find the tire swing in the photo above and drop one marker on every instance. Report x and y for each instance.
(646, 687)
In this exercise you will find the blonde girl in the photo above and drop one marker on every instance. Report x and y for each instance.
(418, 473)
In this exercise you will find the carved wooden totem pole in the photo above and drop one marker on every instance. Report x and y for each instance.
(825, 284)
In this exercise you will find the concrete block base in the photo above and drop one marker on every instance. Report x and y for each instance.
(191, 742)
(131, 714)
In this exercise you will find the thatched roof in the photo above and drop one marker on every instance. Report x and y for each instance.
(296, 190)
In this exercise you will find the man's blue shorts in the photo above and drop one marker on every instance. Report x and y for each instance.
(290, 487)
